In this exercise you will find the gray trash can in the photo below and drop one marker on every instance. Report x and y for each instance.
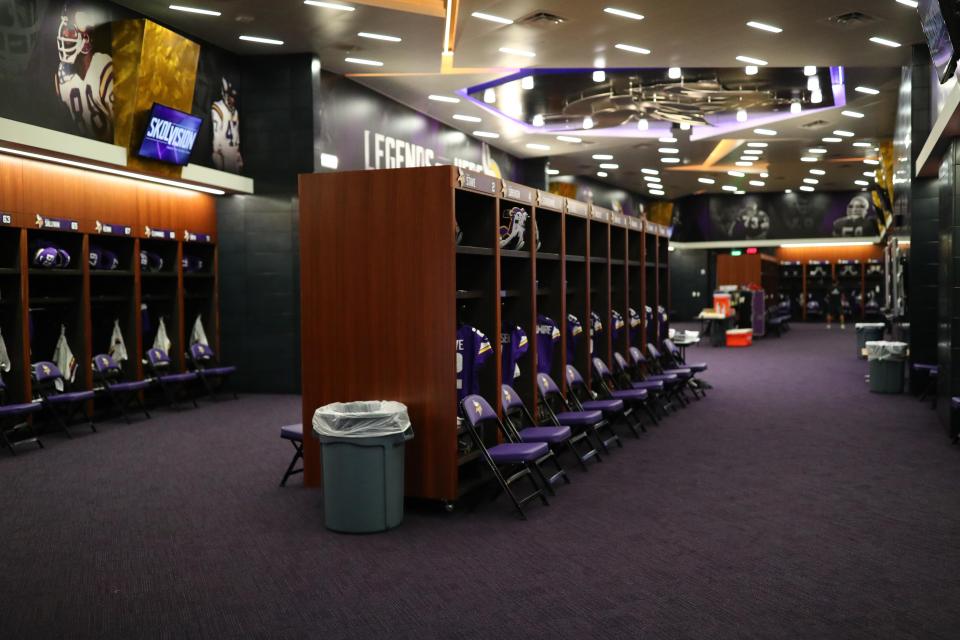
(868, 332)
(887, 361)
(362, 445)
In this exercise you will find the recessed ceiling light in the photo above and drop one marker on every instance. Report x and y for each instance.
(632, 48)
(329, 5)
(833, 139)
(650, 172)
(652, 179)
(329, 161)
(910, 3)
(816, 97)
(810, 70)
(378, 36)
(538, 120)
(572, 139)
(643, 124)
(369, 63)
(861, 183)
(728, 187)
(623, 13)
(884, 42)
(460, 116)
(490, 95)
(437, 98)
(491, 18)
(518, 52)
(739, 192)
(486, 134)
(742, 115)
(601, 174)
(749, 60)
(685, 126)
(674, 73)
(553, 172)
(809, 159)
(871, 161)
(538, 146)
(870, 91)
(707, 180)
(788, 190)
(264, 40)
(758, 145)
(817, 151)
(526, 83)
(818, 172)
(205, 12)
(609, 165)
(863, 145)
(764, 27)
(807, 188)
(765, 132)
(753, 152)
(668, 139)
(751, 69)
(852, 114)
(869, 174)
(743, 163)
(736, 174)
(811, 181)
(656, 192)
(757, 183)
(764, 175)
(669, 160)
(587, 123)
(599, 75)
(796, 107)
(844, 134)
(670, 150)
(602, 156)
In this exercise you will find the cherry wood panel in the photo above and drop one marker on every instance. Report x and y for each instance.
(833, 254)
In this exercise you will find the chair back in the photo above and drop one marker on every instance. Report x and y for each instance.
(476, 410)
(158, 359)
(637, 356)
(551, 398)
(45, 376)
(515, 413)
(577, 386)
(105, 366)
(200, 352)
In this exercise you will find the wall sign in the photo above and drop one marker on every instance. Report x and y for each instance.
(518, 193)
(549, 201)
(57, 224)
(478, 182)
(112, 229)
(6, 218)
(160, 234)
(196, 237)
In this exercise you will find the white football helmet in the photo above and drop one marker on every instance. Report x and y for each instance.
(20, 26)
(73, 36)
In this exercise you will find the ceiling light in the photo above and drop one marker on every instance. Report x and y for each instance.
(870, 91)
(490, 95)
(643, 124)
(818, 172)
(599, 75)
(437, 98)
(538, 120)
(486, 134)
(329, 5)
(736, 174)
(623, 13)
(869, 174)
(674, 73)
(588, 123)
(685, 126)
(741, 115)
(743, 163)
(758, 145)
(750, 60)
(459, 116)
(631, 48)
(757, 183)
(601, 174)
(811, 181)
(788, 190)
(765, 132)
(518, 52)
(364, 61)
(329, 161)
(871, 161)
(817, 151)
(668, 139)
(884, 42)
(844, 134)
(526, 83)
(573, 139)
(816, 97)
(205, 12)
(707, 180)
(669, 160)
(751, 69)
(602, 156)
(807, 188)
(810, 70)
(813, 83)
(796, 107)
(764, 175)
(650, 172)
(553, 172)
(809, 159)
(652, 179)
(862, 145)
(538, 146)
(656, 192)
(910, 3)
(267, 41)
(856, 243)
(861, 183)
(753, 152)
(379, 36)
(670, 150)
(764, 27)
(491, 18)
(851, 114)
(739, 192)
(833, 139)
(609, 165)
(728, 187)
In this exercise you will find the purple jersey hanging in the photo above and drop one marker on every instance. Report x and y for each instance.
(548, 337)
(574, 329)
(473, 349)
(596, 328)
(513, 345)
(616, 324)
(635, 323)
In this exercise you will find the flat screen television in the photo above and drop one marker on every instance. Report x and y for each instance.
(169, 136)
(940, 20)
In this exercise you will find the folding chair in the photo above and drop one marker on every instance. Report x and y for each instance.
(13, 415)
(212, 375)
(640, 394)
(559, 411)
(638, 371)
(656, 361)
(518, 419)
(294, 434)
(62, 405)
(106, 372)
(613, 408)
(675, 360)
(159, 363)
(510, 461)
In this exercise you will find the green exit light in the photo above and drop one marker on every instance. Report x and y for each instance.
(736, 252)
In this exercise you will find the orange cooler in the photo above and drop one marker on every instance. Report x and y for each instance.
(739, 337)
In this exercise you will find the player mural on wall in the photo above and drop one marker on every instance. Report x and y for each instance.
(84, 79)
(857, 221)
(225, 117)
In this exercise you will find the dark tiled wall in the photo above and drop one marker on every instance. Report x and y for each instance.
(948, 342)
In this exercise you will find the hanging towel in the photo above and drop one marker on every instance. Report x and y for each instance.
(4, 356)
(198, 335)
(162, 341)
(118, 349)
(63, 358)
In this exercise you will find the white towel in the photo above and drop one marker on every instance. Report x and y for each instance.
(197, 334)
(118, 349)
(4, 356)
(63, 358)
(162, 341)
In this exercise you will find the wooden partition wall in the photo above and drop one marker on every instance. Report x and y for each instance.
(79, 211)
(384, 284)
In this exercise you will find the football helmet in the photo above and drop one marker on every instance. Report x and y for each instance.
(229, 94)
(19, 32)
(73, 36)
(45, 257)
(150, 262)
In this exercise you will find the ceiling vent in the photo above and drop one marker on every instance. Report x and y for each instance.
(851, 20)
(541, 20)
(816, 124)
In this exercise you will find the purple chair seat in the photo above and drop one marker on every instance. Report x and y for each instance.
(514, 453)
(661, 377)
(603, 405)
(218, 371)
(19, 409)
(550, 435)
(136, 385)
(696, 367)
(680, 373)
(580, 418)
(179, 377)
(292, 432)
(69, 397)
(628, 395)
(648, 385)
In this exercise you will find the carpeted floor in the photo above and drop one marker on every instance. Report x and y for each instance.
(791, 503)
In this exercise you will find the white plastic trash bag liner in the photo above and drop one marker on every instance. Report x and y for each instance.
(869, 325)
(883, 350)
(118, 348)
(370, 419)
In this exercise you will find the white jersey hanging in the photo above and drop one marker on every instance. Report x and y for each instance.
(63, 358)
(118, 349)
(162, 341)
(197, 334)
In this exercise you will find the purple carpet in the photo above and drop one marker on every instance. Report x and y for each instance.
(791, 503)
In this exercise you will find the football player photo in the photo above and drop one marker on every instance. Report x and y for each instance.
(857, 222)
(84, 81)
(225, 117)
(755, 221)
